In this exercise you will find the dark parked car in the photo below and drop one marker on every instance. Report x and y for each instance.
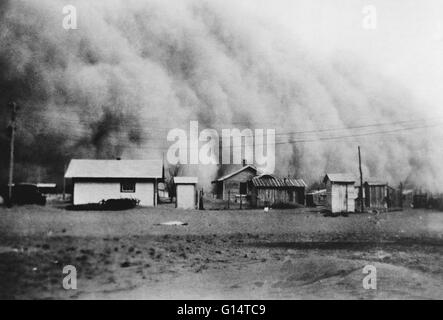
(24, 193)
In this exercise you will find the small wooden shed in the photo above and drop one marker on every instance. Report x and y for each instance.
(268, 190)
(340, 192)
(186, 191)
(376, 194)
(235, 183)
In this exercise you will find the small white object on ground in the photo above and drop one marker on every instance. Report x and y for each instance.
(266, 209)
(173, 223)
(383, 255)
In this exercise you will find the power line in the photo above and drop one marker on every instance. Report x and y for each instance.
(120, 134)
(310, 140)
(155, 129)
(368, 134)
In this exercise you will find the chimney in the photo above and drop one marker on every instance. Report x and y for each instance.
(244, 162)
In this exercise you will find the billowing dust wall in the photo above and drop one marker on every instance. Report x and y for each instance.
(136, 69)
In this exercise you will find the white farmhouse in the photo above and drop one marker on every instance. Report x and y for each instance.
(96, 180)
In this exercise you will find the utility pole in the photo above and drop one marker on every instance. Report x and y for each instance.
(200, 200)
(64, 181)
(401, 195)
(13, 106)
(229, 197)
(361, 181)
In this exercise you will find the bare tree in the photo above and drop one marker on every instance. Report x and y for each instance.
(173, 171)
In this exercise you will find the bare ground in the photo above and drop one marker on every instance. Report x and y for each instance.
(282, 254)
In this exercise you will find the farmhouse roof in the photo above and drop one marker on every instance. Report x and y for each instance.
(185, 180)
(236, 172)
(270, 181)
(82, 168)
(339, 177)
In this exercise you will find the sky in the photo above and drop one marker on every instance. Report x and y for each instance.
(407, 44)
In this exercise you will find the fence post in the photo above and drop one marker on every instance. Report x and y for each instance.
(241, 201)
(200, 203)
(401, 195)
(229, 197)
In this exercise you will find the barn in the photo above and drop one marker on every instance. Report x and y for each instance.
(340, 192)
(268, 190)
(186, 191)
(235, 183)
(96, 180)
(376, 194)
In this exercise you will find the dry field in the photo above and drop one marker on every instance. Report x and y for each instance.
(249, 254)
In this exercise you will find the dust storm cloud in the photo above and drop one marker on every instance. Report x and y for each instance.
(136, 69)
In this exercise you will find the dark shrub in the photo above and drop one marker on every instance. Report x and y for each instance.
(106, 205)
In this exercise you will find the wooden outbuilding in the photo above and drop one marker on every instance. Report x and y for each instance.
(186, 192)
(376, 194)
(268, 190)
(235, 183)
(340, 192)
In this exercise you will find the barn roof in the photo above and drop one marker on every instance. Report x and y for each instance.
(186, 180)
(82, 168)
(270, 181)
(339, 177)
(251, 167)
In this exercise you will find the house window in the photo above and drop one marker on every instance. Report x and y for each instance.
(243, 188)
(127, 187)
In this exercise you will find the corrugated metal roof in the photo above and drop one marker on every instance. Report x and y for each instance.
(372, 181)
(185, 180)
(236, 172)
(340, 177)
(270, 181)
(82, 168)
(376, 183)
